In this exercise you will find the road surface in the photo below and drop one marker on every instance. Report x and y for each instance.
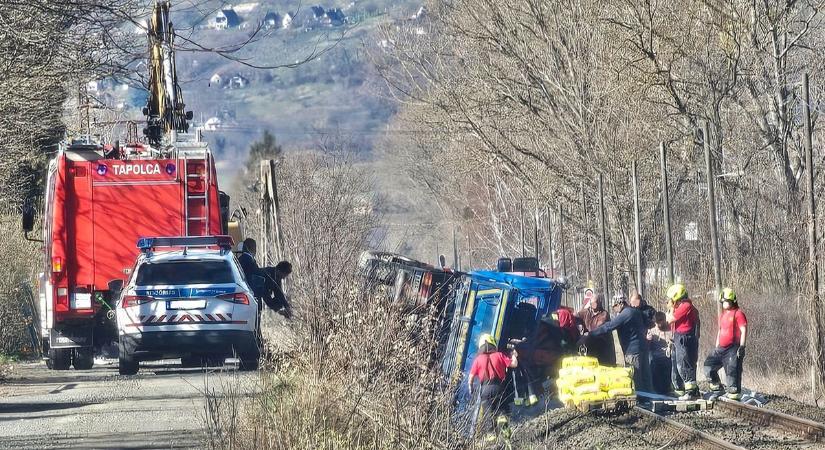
(164, 406)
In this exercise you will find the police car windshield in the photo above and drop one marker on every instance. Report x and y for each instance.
(184, 272)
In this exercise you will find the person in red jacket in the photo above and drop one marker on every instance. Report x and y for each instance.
(683, 318)
(490, 368)
(730, 347)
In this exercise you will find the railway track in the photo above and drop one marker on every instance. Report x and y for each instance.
(702, 439)
(807, 429)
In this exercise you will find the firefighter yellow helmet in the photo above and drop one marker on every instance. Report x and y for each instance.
(727, 295)
(676, 292)
(486, 339)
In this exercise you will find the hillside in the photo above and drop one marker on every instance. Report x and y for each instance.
(301, 106)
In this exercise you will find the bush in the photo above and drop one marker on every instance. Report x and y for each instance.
(357, 376)
(16, 273)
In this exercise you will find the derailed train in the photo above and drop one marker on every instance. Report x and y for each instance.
(516, 304)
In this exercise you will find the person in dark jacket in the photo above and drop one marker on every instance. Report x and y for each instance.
(648, 312)
(275, 298)
(592, 316)
(255, 277)
(629, 324)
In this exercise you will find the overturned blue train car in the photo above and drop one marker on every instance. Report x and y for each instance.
(507, 306)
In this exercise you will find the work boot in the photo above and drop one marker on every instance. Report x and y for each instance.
(678, 392)
(716, 387)
(733, 394)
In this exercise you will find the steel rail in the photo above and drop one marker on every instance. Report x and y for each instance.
(808, 429)
(705, 440)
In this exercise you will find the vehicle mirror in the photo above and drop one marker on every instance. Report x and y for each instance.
(115, 285)
(28, 218)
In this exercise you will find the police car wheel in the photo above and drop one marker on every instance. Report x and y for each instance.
(127, 364)
(61, 358)
(83, 358)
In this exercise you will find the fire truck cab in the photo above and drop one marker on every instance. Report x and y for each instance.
(98, 202)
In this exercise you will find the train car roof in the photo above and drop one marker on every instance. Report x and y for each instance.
(517, 281)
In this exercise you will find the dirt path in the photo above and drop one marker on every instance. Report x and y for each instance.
(162, 407)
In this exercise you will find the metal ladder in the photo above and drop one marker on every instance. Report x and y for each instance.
(196, 173)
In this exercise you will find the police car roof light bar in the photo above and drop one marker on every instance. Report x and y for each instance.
(146, 244)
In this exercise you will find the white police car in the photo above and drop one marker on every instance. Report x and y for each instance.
(190, 302)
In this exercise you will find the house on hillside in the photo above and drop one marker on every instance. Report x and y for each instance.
(225, 18)
(334, 18)
(286, 21)
(317, 12)
(237, 82)
(272, 20)
(216, 80)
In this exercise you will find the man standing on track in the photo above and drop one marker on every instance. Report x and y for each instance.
(730, 347)
(683, 318)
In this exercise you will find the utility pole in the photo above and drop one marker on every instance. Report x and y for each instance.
(271, 233)
(455, 251)
(603, 223)
(536, 233)
(637, 231)
(469, 253)
(817, 377)
(586, 222)
(550, 239)
(666, 210)
(714, 231)
(561, 241)
(562, 249)
(521, 222)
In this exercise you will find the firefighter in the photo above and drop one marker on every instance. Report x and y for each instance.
(275, 298)
(630, 325)
(591, 316)
(490, 367)
(660, 341)
(730, 347)
(683, 318)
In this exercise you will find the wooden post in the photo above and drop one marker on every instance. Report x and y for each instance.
(266, 215)
(666, 210)
(714, 231)
(276, 211)
(550, 241)
(637, 231)
(536, 234)
(521, 223)
(586, 223)
(818, 359)
(603, 226)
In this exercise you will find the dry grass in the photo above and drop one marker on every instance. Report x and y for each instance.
(355, 375)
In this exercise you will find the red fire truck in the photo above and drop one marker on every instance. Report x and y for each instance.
(96, 207)
(100, 199)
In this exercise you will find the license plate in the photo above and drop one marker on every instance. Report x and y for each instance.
(186, 304)
(81, 300)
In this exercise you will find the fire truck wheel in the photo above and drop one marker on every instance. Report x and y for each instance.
(61, 358)
(84, 358)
